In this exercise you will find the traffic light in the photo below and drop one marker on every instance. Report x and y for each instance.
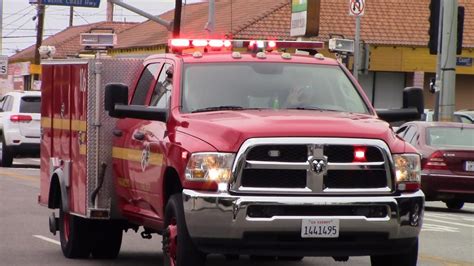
(435, 9)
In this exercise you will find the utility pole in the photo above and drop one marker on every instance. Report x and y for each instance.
(448, 60)
(71, 16)
(1, 27)
(39, 37)
(177, 18)
(438, 64)
(211, 21)
(110, 11)
(355, 70)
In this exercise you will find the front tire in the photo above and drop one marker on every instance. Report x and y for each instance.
(405, 259)
(7, 155)
(74, 235)
(178, 248)
(454, 204)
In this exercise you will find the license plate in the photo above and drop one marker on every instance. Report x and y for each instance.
(320, 228)
(470, 166)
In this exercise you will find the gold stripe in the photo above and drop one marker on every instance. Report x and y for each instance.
(123, 182)
(136, 156)
(156, 159)
(82, 149)
(78, 125)
(127, 154)
(45, 122)
(58, 123)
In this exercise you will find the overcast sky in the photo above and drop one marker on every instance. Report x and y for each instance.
(19, 28)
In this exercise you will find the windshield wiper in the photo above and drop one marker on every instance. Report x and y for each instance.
(314, 109)
(218, 108)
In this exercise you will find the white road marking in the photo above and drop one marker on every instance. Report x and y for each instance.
(446, 222)
(449, 216)
(439, 228)
(47, 239)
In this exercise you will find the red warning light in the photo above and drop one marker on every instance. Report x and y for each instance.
(359, 154)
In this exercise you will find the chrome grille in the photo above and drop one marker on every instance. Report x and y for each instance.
(276, 178)
(283, 153)
(312, 166)
(355, 179)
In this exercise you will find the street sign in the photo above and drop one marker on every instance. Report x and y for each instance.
(464, 61)
(356, 7)
(305, 17)
(80, 3)
(3, 65)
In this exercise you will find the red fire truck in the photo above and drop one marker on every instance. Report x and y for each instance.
(222, 151)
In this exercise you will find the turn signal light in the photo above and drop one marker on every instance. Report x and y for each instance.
(20, 118)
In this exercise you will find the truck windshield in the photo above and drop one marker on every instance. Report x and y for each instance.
(246, 85)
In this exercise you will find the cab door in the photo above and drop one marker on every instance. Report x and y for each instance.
(154, 148)
(129, 146)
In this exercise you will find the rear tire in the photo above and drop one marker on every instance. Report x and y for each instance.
(107, 239)
(178, 248)
(7, 155)
(74, 235)
(454, 204)
(405, 259)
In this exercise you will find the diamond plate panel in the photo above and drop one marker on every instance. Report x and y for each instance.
(99, 137)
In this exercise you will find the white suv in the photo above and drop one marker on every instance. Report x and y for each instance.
(20, 117)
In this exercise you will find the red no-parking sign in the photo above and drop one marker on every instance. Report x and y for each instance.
(356, 7)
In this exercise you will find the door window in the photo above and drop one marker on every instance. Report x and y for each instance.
(8, 104)
(162, 90)
(144, 84)
(409, 134)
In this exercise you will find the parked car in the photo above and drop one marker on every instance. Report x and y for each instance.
(19, 125)
(447, 151)
(459, 116)
(467, 113)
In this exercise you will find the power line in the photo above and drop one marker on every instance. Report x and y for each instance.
(26, 22)
(81, 17)
(23, 36)
(16, 20)
(18, 12)
(31, 29)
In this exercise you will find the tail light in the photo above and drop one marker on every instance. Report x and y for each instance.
(407, 172)
(20, 118)
(436, 162)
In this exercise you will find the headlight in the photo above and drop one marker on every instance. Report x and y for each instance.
(210, 167)
(407, 171)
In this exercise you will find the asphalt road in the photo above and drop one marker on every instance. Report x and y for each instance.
(447, 237)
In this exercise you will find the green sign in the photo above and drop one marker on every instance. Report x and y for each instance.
(305, 17)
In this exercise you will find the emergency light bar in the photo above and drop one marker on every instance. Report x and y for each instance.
(215, 44)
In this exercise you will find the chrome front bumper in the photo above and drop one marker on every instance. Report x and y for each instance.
(215, 215)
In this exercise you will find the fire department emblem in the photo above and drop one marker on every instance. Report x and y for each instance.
(145, 157)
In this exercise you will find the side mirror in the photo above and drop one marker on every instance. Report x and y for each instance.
(413, 98)
(413, 107)
(115, 94)
(116, 103)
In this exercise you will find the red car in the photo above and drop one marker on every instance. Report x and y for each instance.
(447, 151)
